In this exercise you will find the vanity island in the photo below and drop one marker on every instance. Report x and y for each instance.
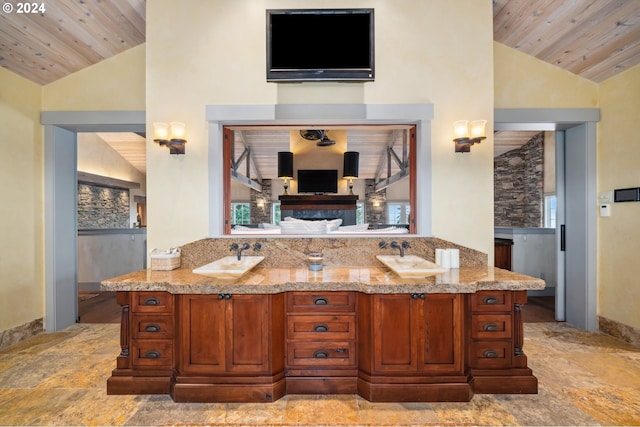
(353, 327)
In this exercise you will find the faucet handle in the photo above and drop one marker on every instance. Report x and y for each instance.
(382, 244)
(257, 246)
(405, 244)
(245, 246)
(233, 247)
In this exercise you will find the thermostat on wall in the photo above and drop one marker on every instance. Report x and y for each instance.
(627, 195)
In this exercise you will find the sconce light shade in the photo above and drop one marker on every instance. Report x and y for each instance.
(177, 141)
(460, 130)
(285, 164)
(178, 132)
(478, 129)
(350, 164)
(160, 132)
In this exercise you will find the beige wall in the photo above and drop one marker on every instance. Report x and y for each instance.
(420, 58)
(523, 81)
(619, 167)
(21, 205)
(116, 84)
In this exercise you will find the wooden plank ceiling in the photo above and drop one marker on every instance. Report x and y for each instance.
(595, 39)
(70, 35)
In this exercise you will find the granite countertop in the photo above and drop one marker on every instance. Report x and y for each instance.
(369, 280)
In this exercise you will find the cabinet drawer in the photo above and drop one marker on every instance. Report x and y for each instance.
(152, 353)
(492, 301)
(319, 302)
(152, 326)
(338, 327)
(151, 302)
(321, 354)
(491, 354)
(491, 326)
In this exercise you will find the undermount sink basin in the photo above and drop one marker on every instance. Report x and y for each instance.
(411, 265)
(229, 266)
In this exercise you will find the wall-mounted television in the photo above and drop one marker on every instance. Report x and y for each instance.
(317, 181)
(320, 45)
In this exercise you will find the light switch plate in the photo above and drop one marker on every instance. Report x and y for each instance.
(605, 197)
(605, 209)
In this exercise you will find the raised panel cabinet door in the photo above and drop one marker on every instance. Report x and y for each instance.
(394, 328)
(248, 333)
(441, 326)
(202, 334)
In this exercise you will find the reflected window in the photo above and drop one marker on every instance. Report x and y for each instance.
(240, 213)
(398, 213)
(276, 216)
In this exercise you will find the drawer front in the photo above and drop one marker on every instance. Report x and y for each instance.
(152, 353)
(152, 302)
(319, 302)
(324, 327)
(491, 301)
(491, 354)
(321, 354)
(152, 326)
(491, 326)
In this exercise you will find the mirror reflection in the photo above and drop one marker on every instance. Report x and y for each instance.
(314, 180)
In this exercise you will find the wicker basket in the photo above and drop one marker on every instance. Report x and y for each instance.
(165, 260)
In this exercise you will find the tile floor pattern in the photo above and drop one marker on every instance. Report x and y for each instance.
(60, 379)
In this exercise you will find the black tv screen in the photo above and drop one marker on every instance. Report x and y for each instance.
(317, 181)
(320, 44)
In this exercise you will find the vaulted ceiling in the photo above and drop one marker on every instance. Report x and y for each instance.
(595, 39)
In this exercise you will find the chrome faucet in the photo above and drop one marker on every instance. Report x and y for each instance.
(402, 246)
(245, 246)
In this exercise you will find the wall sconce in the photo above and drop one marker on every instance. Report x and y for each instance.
(465, 135)
(285, 168)
(177, 140)
(350, 167)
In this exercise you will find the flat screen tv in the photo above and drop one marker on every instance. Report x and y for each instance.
(320, 45)
(317, 181)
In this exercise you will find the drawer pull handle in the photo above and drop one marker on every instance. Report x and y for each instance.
(490, 327)
(320, 354)
(152, 354)
(341, 350)
(490, 354)
(490, 300)
(320, 301)
(152, 301)
(152, 327)
(321, 328)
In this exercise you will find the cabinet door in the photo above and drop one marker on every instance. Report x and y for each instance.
(440, 333)
(395, 324)
(247, 339)
(202, 334)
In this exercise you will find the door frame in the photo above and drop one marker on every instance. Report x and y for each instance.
(60, 202)
(583, 316)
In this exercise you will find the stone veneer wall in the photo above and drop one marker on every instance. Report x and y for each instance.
(375, 204)
(260, 208)
(518, 186)
(102, 207)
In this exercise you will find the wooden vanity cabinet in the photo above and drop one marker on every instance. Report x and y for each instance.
(495, 336)
(147, 350)
(321, 342)
(230, 348)
(411, 347)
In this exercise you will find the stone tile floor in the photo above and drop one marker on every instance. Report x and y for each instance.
(60, 379)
